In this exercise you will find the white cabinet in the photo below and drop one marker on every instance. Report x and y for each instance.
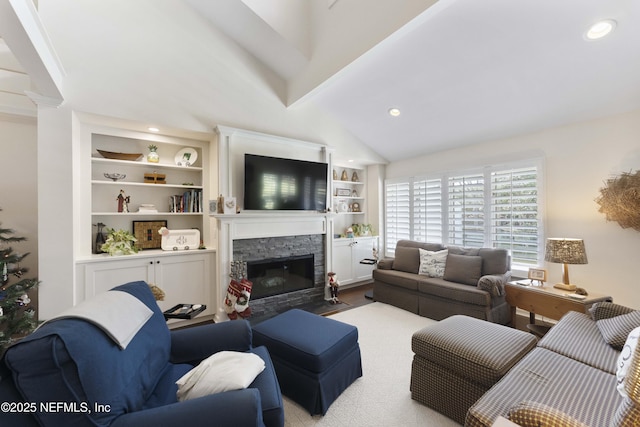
(184, 277)
(347, 257)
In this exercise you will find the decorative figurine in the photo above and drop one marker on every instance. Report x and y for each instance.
(350, 232)
(333, 284)
(344, 176)
(354, 177)
(123, 202)
(335, 175)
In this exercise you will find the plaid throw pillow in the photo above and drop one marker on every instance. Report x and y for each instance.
(615, 330)
(534, 414)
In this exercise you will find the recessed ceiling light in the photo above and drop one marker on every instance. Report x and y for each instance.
(600, 29)
(394, 112)
(152, 129)
(350, 160)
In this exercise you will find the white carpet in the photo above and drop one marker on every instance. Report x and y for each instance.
(381, 397)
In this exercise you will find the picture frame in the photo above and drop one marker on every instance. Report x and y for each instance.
(229, 205)
(343, 192)
(537, 274)
(213, 207)
(147, 233)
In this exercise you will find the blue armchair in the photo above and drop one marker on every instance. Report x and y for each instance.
(70, 372)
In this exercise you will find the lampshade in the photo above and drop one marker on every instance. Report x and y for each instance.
(565, 251)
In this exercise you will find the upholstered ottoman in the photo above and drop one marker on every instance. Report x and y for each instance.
(316, 358)
(458, 359)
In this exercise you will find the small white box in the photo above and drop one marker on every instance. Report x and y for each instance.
(180, 240)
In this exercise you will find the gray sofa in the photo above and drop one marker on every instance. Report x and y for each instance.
(569, 379)
(472, 282)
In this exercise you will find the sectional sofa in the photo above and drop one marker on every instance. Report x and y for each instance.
(435, 281)
(584, 372)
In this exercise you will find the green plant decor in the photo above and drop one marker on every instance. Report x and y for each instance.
(119, 242)
(362, 230)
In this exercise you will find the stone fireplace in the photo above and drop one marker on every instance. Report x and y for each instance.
(259, 236)
(279, 264)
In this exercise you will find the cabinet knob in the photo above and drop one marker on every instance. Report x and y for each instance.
(158, 262)
(151, 262)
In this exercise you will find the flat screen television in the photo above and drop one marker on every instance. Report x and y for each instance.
(272, 183)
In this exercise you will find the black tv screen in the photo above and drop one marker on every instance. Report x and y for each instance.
(272, 183)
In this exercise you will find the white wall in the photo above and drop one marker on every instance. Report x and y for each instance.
(18, 185)
(578, 158)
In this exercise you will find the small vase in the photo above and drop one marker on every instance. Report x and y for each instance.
(153, 157)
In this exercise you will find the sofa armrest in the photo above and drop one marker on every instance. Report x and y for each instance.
(232, 408)
(385, 264)
(494, 283)
(192, 345)
(607, 310)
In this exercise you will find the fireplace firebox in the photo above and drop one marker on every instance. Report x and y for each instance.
(277, 276)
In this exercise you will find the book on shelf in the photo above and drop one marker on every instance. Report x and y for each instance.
(189, 201)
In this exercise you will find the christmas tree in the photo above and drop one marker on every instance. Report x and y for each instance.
(17, 317)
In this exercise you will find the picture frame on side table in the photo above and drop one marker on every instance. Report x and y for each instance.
(147, 233)
(537, 274)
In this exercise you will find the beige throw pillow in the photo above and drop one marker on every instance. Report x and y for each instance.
(432, 263)
(223, 371)
(625, 359)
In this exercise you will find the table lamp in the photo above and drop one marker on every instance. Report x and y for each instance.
(565, 251)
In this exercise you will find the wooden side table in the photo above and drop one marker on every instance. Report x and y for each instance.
(547, 301)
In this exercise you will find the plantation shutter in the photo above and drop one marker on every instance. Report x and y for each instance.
(427, 210)
(466, 210)
(397, 213)
(514, 213)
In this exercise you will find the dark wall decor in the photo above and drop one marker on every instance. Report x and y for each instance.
(619, 200)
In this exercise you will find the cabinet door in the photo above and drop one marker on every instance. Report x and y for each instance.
(185, 279)
(102, 276)
(361, 250)
(342, 261)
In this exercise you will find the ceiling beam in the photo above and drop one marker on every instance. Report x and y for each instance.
(22, 30)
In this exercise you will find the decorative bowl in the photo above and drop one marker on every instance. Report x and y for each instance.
(115, 176)
(119, 156)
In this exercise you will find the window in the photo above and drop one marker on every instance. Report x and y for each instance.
(497, 207)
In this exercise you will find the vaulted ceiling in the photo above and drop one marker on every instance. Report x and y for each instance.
(460, 71)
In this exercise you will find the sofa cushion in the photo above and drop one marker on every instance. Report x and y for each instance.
(400, 279)
(432, 263)
(71, 360)
(615, 330)
(453, 291)
(577, 336)
(407, 259)
(463, 269)
(546, 377)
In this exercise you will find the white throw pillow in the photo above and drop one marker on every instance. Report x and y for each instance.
(625, 359)
(432, 263)
(222, 371)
